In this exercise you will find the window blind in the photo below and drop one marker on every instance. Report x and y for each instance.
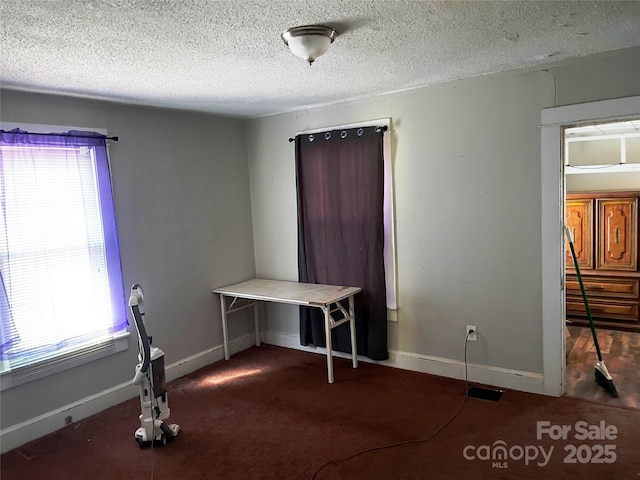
(58, 274)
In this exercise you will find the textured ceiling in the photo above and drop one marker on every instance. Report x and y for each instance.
(227, 57)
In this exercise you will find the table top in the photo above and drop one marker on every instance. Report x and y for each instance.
(288, 292)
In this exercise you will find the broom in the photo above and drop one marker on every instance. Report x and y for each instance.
(602, 374)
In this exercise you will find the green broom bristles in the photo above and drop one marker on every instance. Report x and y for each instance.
(604, 379)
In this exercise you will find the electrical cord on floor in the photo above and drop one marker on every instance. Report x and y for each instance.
(409, 442)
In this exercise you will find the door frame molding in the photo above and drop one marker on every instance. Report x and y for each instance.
(553, 122)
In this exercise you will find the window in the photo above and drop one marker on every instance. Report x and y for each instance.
(340, 184)
(389, 210)
(61, 291)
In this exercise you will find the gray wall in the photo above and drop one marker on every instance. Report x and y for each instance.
(605, 181)
(181, 190)
(468, 204)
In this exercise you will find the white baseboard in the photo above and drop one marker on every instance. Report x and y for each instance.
(23, 432)
(49, 422)
(531, 382)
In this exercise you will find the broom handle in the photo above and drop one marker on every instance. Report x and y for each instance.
(584, 295)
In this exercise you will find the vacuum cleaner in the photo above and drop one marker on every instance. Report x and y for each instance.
(603, 377)
(150, 377)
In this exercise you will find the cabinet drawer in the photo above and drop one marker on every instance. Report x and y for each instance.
(604, 309)
(605, 287)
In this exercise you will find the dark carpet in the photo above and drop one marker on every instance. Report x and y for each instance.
(268, 413)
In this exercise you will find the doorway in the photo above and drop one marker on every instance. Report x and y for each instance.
(602, 194)
(552, 181)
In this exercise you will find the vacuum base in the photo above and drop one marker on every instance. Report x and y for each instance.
(163, 434)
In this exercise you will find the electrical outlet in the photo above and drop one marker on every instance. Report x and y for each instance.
(472, 333)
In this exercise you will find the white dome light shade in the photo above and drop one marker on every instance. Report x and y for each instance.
(309, 47)
(310, 41)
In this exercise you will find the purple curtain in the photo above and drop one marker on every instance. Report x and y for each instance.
(8, 333)
(340, 193)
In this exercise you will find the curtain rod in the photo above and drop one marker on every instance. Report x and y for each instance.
(115, 139)
(383, 128)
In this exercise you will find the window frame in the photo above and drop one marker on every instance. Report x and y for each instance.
(64, 360)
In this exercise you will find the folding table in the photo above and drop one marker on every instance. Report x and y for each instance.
(325, 297)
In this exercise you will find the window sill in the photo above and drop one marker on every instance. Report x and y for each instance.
(44, 368)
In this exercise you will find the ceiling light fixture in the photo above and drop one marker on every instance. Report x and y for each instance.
(309, 41)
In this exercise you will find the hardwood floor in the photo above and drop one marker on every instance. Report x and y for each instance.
(620, 353)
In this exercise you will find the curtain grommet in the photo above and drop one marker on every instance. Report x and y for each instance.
(360, 132)
(343, 134)
(311, 138)
(327, 135)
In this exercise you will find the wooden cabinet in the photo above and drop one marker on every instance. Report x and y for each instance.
(614, 301)
(604, 226)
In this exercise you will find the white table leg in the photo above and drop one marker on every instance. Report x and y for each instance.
(225, 338)
(352, 325)
(255, 314)
(327, 331)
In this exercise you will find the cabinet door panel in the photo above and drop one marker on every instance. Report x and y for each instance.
(617, 231)
(579, 220)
